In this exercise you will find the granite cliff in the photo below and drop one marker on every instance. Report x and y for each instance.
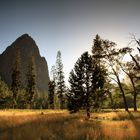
(26, 47)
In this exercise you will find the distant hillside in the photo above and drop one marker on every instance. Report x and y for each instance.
(26, 47)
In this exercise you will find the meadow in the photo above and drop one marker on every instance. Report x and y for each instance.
(61, 125)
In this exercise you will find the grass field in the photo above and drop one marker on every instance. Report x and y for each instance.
(60, 125)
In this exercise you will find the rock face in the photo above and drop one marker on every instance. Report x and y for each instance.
(26, 47)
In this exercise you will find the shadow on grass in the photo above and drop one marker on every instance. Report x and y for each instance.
(52, 127)
(136, 122)
(130, 117)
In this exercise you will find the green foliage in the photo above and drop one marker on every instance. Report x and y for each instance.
(97, 49)
(112, 56)
(99, 72)
(51, 94)
(60, 83)
(5, 96)
(117, 98)
(80, 80)
(31, 82)
(76, 92)
(86, 85)
(56, 102)
(21, 99)
(40, 102)
(16, 83)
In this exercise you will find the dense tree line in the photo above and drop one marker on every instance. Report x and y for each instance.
(28, 97)
(16, 96)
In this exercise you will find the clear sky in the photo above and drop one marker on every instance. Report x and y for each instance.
(68, 25)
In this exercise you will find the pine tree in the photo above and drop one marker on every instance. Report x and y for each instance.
(98, 85)
(75, 95)
(60, 83)
(16, 83)
(51, 94)
(100, 72)
(52, 88)
(85, 82)
(31, 82)
(5, 96)
(97, 50)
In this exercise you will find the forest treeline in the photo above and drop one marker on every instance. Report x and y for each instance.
(95, 82)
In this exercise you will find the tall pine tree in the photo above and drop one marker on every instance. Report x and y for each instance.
(85, 82)
(16, 83)
(52, 88)
(51, 94)
(97, 50)
(60, 83)
(31, 83)
(5, 96)
(100, 72)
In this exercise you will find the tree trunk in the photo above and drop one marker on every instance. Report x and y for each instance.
(123, 94)
(61, 102)
(122, 91)
(135, 94)
(14, 103)
(135, 102)
(133, 58)
(28, 105)
(88, 113)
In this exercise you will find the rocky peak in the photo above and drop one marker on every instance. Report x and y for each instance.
(25, 44)
(26, 47)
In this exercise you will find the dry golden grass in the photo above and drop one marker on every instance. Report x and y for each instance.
(60, 125)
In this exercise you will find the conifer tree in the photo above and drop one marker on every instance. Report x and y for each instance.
(31, 82)
(86, 80)
(5, 96)
(52, 88)
(60, 83)
(16, 83)
(97, 50)
(51, 94)
(100, 72)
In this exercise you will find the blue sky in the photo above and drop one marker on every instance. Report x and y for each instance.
(68, 25)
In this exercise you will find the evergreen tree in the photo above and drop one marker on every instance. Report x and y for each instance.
(53, 74)
(52, 88)
(16, 83)
(5, 96)
(31, 82)
(21, 99)
(86, 81)
(97, 50)
(51, 94)
(100, 72)
(60, 83)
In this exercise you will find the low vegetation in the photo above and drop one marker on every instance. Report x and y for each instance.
(60, 125)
